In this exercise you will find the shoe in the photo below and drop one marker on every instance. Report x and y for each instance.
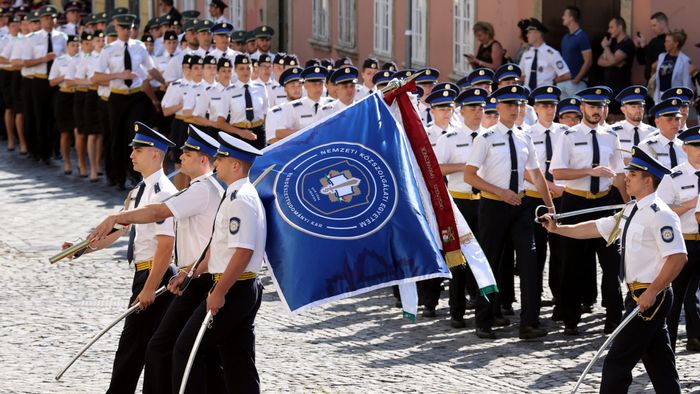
(586, 308)
(571, 331)
(469, 304)
(501, 322)
(95, 180)
(100, 173)
(485, 333)
(429, 312)
(67, 172)
(457, 323)
(508, 310)
(693, 345)
(10, 149)
(46, 161)
(25, 153)
(610, 327)
(547, 303)
(557, 315)
(529, 332)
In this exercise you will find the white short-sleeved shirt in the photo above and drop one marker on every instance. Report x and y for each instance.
(550, 65)
(304, 111)
(39, 46)
(491, 154)
(218, 54)
(659, 147)
(7, 43)
(173, 69)
(175, 94)
(435, 132)
(653, 234)
(424, 112)
(625, 132)
(61, 67)
(362, 91)
(453, 148)
(158, 188)
(678, 187)
(194, 94)
(21, 50)
(539, 140)
(194, 210)
(240, 223)
(575, 150)
(277, 96)
(112, 61)
(274, 121)
(208, 103)
(233, 101)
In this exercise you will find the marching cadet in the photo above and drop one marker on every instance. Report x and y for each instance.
(235, 257)
(369, 67)
(491, 116)
(246, 103)
(203, 77)
(481, 78)
(631, 130)
(205, 108)
(653, 254)
(345, 81)
(680, 191)
(20, 50)
(510, 74)
(291, 83)
(104, 147)
(382, 78)
(543, 64)
(263, 41)
(665, 146)
(545, 134)
(91, 107)
(63, 105)
(263, 70)
(237, 41)
(150, 248)
(173, 104)
(441, 102)
(452, 151)
(426, 81)
(588, 161)
(11, 79)
(222, 32)
(77, 78)
(193, 211)
(173, 69)
(569, 111)
(501, 189)
(686, 96)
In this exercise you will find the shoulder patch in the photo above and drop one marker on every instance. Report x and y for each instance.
(296, 104)
(667, 234)
(655, 208)
(156, 188)
(488, 134)
(617, 128)
(276, 109)
(233, 195)
(234, 224)
(676, 174)
(451, 134)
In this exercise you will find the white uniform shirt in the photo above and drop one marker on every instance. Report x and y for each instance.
(362, 91)
(194, 94)
(39, 42)
(228, 53)
(491, 154)
(435, 132)
(271, 83)
(158, 188)
(94, 62)
(276, 95)
(79, 68)
(158, 47)
(678, 187)
(539, 140)
(550, 65)
(208, 103)
(6, 44)
(653, 234)
(112, 61)
(233, 101)
(175, 94)
(575, 150)
(61, 67)
(625, 132)
(240, 223)
(173, 69)
(454, 148)
(21, 50)
(424, 111)
(658, 147)
(194, 210)
(69, 29)
(300, 113)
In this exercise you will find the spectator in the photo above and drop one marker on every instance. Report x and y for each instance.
(167, 7)
(673, 67)
(490, 53)
(648, 53)
(576, 51)
(616, 59)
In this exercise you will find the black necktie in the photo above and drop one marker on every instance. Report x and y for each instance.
(132, 232)
(636, 135)
(49, 49)
(621, 275)
(428, 118)
(672, 154)
(697, 173)
(595, 181)
(513, 163)
(474, 190)
(548, 153)
(532, 82)
(127, 63)
(315, 108)
(249, 114)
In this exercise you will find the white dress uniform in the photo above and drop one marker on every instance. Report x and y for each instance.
(93, 62)
(39, 45)
(233, 101)
(195, 93)
(240, 223)
(222, 19)
(659, 147)
(575, 150)
(158, 188)
(454, 148)
(228, 53)
(424, 112)
(161, 62)
(79, 68)
(530, 115)
(678, 187)
(300, 113)
(269, 85)
(257, 53)
(208, 103)
(21, 50)
(63, 65)
(112, 61)
(69, 29)
(435, 132)
(175, 94)
(539, 140)
(277, 95)
(550, 65)
(194, 210)
(625, 132)
(158, 47)
(6, 43)
(173, 69)
(362, 91)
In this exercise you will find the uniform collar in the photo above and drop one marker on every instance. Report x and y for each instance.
(663, 140)
(630, 126)
(201, 177)
(503, 129)
(646, 201)
(237, 185)
(469, 130)
(153, 178)
(584, 127)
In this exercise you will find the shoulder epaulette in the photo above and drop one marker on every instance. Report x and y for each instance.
(230, 87)
(652, 141)
(208, 87)
(612, 132)
(676, 174)
(296, 104)
(617, 127)
(276, 108)
(488, 133)
(569, 131)
(176, 83)
(327, 106)
(550, 51)
(451, 134)
(233, 195)
(156, 188)
(655, 207)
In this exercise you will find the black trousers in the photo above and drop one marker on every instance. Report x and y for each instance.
(542, 240)
(232, 333)
(124, 110)
(158, 371)
(642, 340)
(685, 289)
(138, 328)
(42, 102)
(29, 121)
(462, 277)
(260, 142)
(500, 222)
(103, 118)
(579, 259)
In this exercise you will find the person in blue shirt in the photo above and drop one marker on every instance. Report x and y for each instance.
(576, 51)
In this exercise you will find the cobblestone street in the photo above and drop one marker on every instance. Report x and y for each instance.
(357, 345)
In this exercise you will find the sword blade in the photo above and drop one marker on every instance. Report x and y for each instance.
(564, 215)
(205, 324)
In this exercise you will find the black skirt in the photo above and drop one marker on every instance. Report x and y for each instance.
(16, 88)
(6, 88)
(78, 114)
(63, 111)
(91, 119)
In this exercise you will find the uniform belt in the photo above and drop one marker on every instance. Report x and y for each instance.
(249, 124)
(143, 265)
(244, 276)
(180, 117)
(586, 194)
(66, 90)
(532, 193)
(41, 76)
(103, 98)
(126, 92)
(464, 195)
(195, 122)
(691, 237)
(83, 90)
(92, 88)
(28, 76)
(634, 286)
(491, 196)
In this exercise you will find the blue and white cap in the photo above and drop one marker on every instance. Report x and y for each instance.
(472, 96)
(635, 94)
(230, 146)
(199, 141)
(641, 161)
(511, 94)
(569, 105)
(670, 107)
(147, 137)
(684, 94)
(690, 136)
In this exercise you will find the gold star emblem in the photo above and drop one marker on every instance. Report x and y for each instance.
(514, 89)
(427, 72)
(386, 74)
(637, 90)
(492, 100)
(347, 71)
(572, 101)
(227, 64)
(136, 127)
(373, 66)
(224, 25)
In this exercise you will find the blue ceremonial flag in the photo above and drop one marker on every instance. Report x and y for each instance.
(343, 209)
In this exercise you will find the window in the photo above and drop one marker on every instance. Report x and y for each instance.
(382, 27)
(237, 14)
(419, 32)
(187, 5)
(346, 23)
(320, 23)
(463, 37)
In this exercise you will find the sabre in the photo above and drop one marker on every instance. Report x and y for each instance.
(99, 335)
(557, 216)
(396, 83)
(202, 329)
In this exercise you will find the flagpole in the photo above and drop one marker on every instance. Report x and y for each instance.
(397, 83)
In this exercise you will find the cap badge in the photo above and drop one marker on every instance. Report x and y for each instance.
(679, 91)
(264, 28)
(136, 127)
(572, 101)
(514, 89)
(477, 92)
(598, 91)
(550, 90)
(636, 90)
(445, 93)
(427, 72)
(482, 72)
(317, 70)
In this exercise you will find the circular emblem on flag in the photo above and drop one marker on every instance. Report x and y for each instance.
(338, 191)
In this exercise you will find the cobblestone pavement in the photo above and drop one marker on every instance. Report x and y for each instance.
(361, 344)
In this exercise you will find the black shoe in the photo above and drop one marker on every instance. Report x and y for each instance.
(67, 172)
(547, 303)
(457, 323)
(557, 315)
(470, 305)
(586, 308)
(693, 345)
(500, 322)
(610, 327)
(485, 333)
(571, 331)
(508, 310)
(429, 312)
(398, 304)
(529, 332)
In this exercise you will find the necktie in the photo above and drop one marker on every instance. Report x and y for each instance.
(636, 135)
(127, 63)
(672, 154)
(428, 118)
(621, 275)
(315, 108)
(595, 181)
(697, 173)
(249, 114)
(532, 81)
(513, 163)
(474, 190)
(132, 232)
(49, 49)
(548, 152)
